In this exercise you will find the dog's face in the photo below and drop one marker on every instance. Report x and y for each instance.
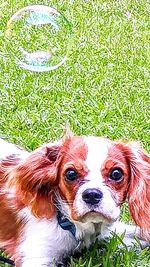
(91, 177)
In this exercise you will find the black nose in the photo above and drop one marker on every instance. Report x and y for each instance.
(92, 196)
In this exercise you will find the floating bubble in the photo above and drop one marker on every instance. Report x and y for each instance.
(38, 38)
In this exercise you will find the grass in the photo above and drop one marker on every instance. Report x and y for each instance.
(114, 253)
(103, 89)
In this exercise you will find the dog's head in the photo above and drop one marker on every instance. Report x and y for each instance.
(90, 177)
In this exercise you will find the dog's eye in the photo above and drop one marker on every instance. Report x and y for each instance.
(116, 174)
(71, 174)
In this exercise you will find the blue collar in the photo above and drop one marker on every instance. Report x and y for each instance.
(65, 224)
(8, 261)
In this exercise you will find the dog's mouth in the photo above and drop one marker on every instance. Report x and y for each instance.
(96, 216)
(92, 216)
(95, 213)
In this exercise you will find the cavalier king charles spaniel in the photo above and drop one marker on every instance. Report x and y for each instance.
(61, 197)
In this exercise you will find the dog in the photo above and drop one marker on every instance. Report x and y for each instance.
(61, 197)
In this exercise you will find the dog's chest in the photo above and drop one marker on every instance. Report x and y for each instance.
(86, 233)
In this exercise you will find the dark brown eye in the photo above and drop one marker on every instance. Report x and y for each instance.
(116, 174)
(71, 175)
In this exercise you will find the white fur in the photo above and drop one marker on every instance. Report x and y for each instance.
(97, 154)
(8, 149)
(43, 241)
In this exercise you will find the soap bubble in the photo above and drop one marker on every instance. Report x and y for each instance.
(38, 38)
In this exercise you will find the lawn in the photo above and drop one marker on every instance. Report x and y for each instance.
(102, 89)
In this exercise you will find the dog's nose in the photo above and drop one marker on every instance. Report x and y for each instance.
(92, 196)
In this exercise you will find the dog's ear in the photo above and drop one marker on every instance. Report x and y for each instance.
(35, 179)
(139, 184)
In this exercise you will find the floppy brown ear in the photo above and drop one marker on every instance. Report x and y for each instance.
(139, 185)
(35, 179)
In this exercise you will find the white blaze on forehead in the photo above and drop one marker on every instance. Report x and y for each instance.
(97, 153)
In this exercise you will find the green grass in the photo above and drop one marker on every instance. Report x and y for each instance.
(103, 89)
(114, 253)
